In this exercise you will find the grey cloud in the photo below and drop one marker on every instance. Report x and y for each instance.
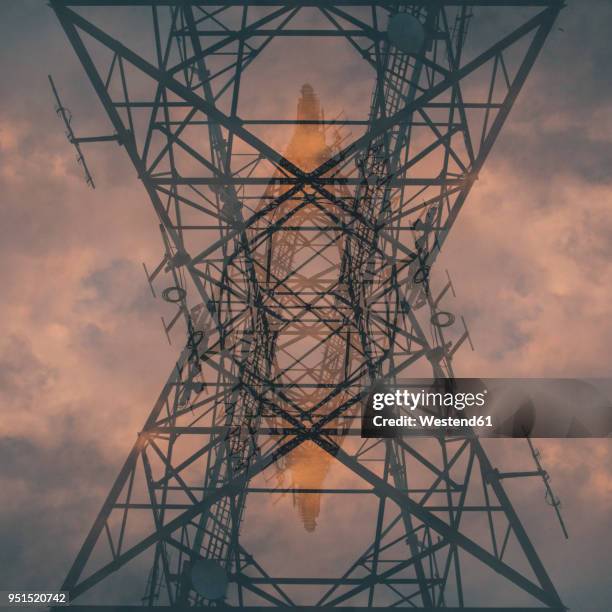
(23, 377)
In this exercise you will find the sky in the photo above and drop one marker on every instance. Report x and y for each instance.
(83, 351)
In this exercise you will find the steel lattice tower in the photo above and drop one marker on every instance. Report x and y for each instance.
(302, 277)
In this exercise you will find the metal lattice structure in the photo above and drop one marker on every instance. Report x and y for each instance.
(303, 275)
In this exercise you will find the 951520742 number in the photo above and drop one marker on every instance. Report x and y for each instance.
(33, 598)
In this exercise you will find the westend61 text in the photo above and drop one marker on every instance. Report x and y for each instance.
(431, 421)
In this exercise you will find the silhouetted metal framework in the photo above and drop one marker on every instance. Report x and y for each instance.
(302, 279)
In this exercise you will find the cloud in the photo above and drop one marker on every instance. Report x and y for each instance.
(533, 280)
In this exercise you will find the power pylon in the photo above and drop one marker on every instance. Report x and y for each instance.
(302, 275)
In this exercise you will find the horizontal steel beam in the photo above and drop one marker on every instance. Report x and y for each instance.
(265, 181)
(94, 608)
(178, 104)
(313, 3)
(292, 32)
(160, 506)
(330, 581)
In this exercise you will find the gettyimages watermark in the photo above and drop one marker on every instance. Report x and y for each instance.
(495, 407)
